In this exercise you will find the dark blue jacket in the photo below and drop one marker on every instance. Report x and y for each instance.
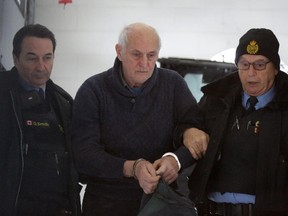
(272, 156)
(11, 138)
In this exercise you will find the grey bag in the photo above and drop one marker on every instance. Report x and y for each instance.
(166, 201)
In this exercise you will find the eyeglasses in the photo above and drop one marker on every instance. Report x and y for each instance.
(258, 65)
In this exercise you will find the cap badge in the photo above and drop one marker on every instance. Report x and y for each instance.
(252, 47)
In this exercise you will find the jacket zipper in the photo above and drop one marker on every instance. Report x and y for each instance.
(57, 163)
(21, 148)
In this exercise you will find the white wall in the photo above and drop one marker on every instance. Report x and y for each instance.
(10, 21)
(87, 30)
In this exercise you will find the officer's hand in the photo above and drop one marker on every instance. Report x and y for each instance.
(196, 141)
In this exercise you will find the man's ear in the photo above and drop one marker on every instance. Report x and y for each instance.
(118, 49)
(276, 72)
(15, 59)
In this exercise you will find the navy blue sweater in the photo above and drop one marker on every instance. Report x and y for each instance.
(112, 124)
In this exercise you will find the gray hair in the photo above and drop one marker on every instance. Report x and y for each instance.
(124, 34)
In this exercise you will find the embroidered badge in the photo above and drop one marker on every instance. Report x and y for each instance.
(252, 47)
(37, 124)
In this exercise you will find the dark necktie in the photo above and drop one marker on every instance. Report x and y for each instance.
(41, 93)
(252, 101)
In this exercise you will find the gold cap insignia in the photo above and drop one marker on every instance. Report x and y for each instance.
(253, 47)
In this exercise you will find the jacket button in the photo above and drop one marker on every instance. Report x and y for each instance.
(133, 100)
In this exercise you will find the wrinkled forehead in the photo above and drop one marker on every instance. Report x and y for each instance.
(36, 47)
(145, 40)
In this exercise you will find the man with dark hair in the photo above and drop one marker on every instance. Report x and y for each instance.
(37, 171)
(245, 168)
